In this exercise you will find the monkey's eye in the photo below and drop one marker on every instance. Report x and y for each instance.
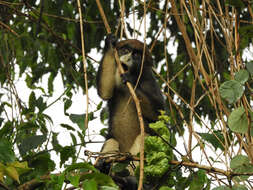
(123, 51)
(136, 55)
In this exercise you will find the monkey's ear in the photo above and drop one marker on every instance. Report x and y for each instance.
(111, 40)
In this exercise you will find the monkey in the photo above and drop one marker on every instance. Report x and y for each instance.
(124, 130)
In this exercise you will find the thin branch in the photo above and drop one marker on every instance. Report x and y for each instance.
(121, 157)
(84, 64)
(9, 28)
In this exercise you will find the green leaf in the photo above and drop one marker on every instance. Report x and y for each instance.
(32, 101)
(249, 67)
(239, 161)
(74, 179)
(66, 153)
(68, 127)
(90, 184)
(199, 180)
(30, 143)
(99, 106)
(246, 34)
(12, 172)
(42, 163)
(57, 181)
(231, 91)
(157, 164)
(242, 76)
(40, 104)
(50, 83)
(216, 139)
(6, 130)
(78, 119)
(73, 137)
(56, 145)
(83, 165)
(161, 128)
(6, 151)
(241, 164)
(236, 3)
(81, 137)
(101, 179)
(21, 167)
(237, 121)
(67, 104)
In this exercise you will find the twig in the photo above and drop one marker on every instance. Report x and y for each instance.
(102, 13)
(9, 28)
(84, 64)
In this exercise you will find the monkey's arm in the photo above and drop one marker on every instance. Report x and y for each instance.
(106, 70)
(151, 99)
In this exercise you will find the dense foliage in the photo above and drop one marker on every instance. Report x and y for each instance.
(204, 64)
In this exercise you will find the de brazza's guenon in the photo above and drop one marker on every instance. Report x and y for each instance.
(124, 129)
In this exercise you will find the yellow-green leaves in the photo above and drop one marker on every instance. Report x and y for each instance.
(158, 153)
(13, 170)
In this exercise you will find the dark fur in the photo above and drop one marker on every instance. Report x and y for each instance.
(123, 120)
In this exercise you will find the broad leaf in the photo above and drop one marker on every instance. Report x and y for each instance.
(31, 143)
(231, 91)
(241, 164)
(6, 151)
(237, 121)
(216, 139)
(242, 76)
(66, 153)
(74, 179)
(90, 184)
(12, 172)
(78, 119)
(249, 67)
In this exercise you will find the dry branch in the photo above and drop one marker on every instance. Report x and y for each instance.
(121, 157)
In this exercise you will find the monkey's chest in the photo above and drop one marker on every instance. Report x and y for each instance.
(125, 124)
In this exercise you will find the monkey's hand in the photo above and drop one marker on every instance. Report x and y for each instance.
(125, 77)
(111, 40)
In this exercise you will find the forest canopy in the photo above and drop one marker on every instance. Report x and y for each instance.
(203, 60)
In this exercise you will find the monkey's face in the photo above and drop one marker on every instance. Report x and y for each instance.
(125, 57)
(129, 58)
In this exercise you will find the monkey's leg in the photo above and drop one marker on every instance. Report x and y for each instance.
(111, 145)
(134, 150)
(136, 147)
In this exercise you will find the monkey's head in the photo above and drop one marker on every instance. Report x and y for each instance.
(131, 53)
